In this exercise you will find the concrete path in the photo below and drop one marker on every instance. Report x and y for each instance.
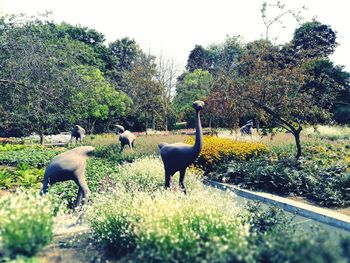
(304, 215)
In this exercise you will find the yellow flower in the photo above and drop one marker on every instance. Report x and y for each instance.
(219, 149)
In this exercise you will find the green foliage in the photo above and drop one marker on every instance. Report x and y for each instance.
(322, 176)
(145, 224)
(33, 156)
(193, 86)
(100, 101)
(26, 224)
(21, 175)
(202, 226)
(314, 38)
(275, 238)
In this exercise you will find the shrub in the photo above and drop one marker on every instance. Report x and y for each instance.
(111, 218)
(170, 226)
(216, 150)
(26, 223)
(147, 174)
(325, 186)
(274, 238)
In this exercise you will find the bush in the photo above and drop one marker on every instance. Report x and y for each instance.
(147, 175)
(218, 150)
(26, 224)
(274, 238)
(168, 226)
(325, 186)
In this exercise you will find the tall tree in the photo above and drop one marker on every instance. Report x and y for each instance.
(167, 72)
(144, 90)
(38, 77)
(314, 39)
(199, 58)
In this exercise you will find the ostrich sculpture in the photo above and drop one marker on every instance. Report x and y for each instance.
(125, 137)
(69, 165)
(78, 133)
(178, 156)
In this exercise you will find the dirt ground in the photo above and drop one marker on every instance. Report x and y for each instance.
(72, 244)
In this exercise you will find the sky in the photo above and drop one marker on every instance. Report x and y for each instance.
(172, 28)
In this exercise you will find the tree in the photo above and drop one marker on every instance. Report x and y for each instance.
(199, 58)
(217, 58)
(144, 90)
(314, 39)
(99, 101)
(194, 86)
(166, 76)
(278, 91)
(326, 78)
(38, 76)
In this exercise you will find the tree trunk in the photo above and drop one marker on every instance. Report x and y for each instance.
(146, 122)
(296, 135)
(153, 122)
(258, 127)
(41, 137)
(92, 127)
(166, 123)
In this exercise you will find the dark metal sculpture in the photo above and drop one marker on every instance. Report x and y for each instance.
(78, 133)
(178, 156)
(69, 165)
(125, 137)
(247, 128)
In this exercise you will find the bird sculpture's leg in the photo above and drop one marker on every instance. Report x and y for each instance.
(133, 144)
(79, 197)
(130, 145)
(121, 147)
(167, 179)
(83, 187)
(172, 184)
(182, 179)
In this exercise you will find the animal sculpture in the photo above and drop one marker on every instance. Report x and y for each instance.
(178, 156)
(69, 165)
(247, 129)
(125, 137)
(78, 133)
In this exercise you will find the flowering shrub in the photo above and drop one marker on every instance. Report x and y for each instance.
(170, 226)
(216, 150)
(147, 175)
(26, 223)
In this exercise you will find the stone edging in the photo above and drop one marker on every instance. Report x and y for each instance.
(316, 213)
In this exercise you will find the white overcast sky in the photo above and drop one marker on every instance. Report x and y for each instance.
(175, 27)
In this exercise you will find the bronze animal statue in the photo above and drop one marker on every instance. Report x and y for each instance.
(247, 128)
(69, 165)
(178, 156)
(78, 133)
(125, 137)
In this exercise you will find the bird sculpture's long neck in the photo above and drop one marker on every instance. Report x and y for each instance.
(199, 135)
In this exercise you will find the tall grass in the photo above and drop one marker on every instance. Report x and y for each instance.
(331, 133)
